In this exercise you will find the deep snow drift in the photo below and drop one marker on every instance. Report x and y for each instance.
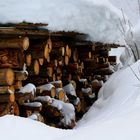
(100, 19)
(115, 115)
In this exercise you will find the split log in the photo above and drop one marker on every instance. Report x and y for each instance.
(6, 77)
(16, 43)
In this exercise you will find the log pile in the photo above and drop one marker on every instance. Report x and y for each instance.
(63, 67)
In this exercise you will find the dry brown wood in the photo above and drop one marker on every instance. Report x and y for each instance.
(57, 53)
(40, 50)
(28, 59)
(66, 60)
(22, 98)
(5, 98)
(49, 43)
(18, 43)
(9, 108)
(20, 75)
(18, 84)
(6, 77)
(60, 94)
(46, 90)
(41, 61)
(85, 55)
(6, 89)
(11, 58)
(75, 55)
(34, 68)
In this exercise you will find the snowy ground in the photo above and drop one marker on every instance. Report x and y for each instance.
(115, 115)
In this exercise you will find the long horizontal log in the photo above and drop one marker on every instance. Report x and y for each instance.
(15, 43)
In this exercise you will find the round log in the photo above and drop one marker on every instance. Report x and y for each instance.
(66, 60)
(49, 43)
(18, 43)
(6, 77)
(60, 94)
(36, 67)
(46, 90)
(28, 58)
(41, 61)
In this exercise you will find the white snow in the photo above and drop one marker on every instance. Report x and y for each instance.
(99, 19)
(86, 90)
(33, 104)
(130, 8)
(115, 115)
(67, 110)
(69, 89)
(44, 98)
(29, 88)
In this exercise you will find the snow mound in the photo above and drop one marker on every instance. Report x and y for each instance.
(115, 115)
(119, 96)
(99, 19)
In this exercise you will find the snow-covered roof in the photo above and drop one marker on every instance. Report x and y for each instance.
(99, 19)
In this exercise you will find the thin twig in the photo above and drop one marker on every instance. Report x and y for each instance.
(123, 16)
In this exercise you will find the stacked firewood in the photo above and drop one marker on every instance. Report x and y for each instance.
(55, 79)
(11, 72)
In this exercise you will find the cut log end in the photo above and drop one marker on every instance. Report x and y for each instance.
(36, 67)
(28, 59)
(25, 43)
